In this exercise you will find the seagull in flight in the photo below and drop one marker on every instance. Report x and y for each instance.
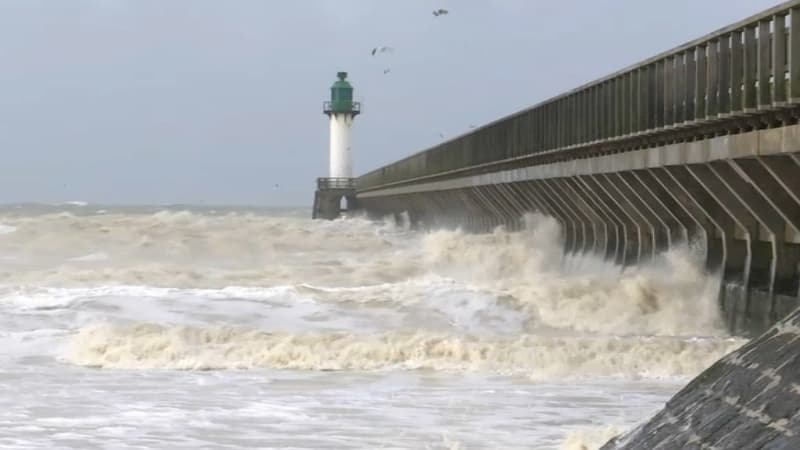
(387, 70)
(440, 12)
(381, 49)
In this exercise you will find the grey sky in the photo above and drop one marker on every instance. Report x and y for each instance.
(214, 102)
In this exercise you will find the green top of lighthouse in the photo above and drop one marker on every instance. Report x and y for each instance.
(341, 98)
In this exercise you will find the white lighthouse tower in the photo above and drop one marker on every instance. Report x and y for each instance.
(342, 110)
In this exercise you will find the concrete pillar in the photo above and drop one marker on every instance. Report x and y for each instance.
(686, 227)
(493, 217)
(630, 246)
(439, 217)
(662, 221)
(415, 209)
(615, 230)
(776, 193)
(599, 227)
(496, 199)
(515, 203)
(532, 195)
(714, 198)
(527, 205)
(452, 210)
(577, 224)
(646, 224)
(784, 167)
(570, 231)
(533, 202)
(476, 212)
(718, 236)
(428, 210)
(774, 198)
(578, 210)
(768, 219)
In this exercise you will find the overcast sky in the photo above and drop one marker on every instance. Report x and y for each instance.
(216, 102)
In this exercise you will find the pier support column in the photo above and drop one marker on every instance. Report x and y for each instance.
(570, 230)
(650, 209)
(527, 205)
(515, 205)
(683, 227)
(599, 227)
(472, 212)
(572, 216)
(777, 211)
(627, 250)
(718, 235)
(504, 209)
(737, 238)
(613, 249)
(537, 191)
(490, 217)
(743, 203)
(646, 228)
(579, 211)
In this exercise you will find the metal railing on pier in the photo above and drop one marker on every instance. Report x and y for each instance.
(324, 184)
(742, 77)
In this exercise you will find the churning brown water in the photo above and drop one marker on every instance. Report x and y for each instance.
(195, 328)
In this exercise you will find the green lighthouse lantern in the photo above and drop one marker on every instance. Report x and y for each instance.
(342, 98)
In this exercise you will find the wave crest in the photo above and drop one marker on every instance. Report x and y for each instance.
(154, 346)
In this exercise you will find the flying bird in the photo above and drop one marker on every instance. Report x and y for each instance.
(387, 70)
(381, 49)
(440, 12)
(472, 126)
(441, 135)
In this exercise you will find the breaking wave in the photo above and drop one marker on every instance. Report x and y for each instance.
(525, 270)
(154, 346)
(670, 295)
(445, 300)
(590, 439)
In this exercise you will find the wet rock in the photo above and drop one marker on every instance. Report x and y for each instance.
(750, 399)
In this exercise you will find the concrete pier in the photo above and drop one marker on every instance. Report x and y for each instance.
(699, 145)
(329, 195)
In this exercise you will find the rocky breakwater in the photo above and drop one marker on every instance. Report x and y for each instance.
(750, 399)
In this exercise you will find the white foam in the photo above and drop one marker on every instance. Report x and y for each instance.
(7, 229)
(91, 257)
(591, 438)
(49, 297)
(669, 296)
(152, 346)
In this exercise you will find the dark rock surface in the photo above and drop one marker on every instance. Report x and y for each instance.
(750, 399)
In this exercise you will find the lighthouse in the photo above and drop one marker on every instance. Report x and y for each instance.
(341, 111)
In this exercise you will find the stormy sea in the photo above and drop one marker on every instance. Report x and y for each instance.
(228, 328)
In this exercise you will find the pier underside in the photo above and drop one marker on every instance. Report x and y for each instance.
(735, 200)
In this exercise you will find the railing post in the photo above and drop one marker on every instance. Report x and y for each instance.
(794, 55)
(764, 91)
(779, 60)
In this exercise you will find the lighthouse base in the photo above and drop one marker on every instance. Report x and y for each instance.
(328, 197)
